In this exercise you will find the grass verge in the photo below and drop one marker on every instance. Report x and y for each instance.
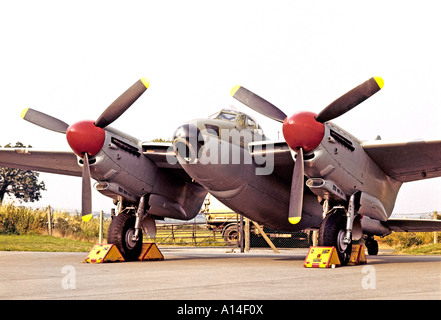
(42, 243)
(428, 249)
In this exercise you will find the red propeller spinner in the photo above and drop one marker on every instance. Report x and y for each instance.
(302, 130)
(84, 137)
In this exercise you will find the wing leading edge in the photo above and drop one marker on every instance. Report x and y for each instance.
(412, 225)
(59, 162)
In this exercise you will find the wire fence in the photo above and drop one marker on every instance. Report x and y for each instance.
(224, 229)
(209, 229)
(226, 232)
(193, 233)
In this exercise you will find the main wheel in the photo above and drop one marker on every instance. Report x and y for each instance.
(120, 234)
(372, 246)
(331, 234)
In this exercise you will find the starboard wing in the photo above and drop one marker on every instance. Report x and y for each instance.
(406, 161)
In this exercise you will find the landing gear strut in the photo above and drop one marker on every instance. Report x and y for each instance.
(336, 228)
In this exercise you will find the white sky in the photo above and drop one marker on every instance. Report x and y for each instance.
(72, 59)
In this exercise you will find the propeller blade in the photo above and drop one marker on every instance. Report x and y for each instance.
(350, 99)
(43, 120)
(86, 190)
(296, 195)
(122, 103)
(257, 103)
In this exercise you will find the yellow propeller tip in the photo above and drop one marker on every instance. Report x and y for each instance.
(87, 217)
(379, 81)
(234, 90)
(23, 113)
(145, 82)
(294, 220)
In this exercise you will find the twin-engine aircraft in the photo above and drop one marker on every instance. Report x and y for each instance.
(318, 177)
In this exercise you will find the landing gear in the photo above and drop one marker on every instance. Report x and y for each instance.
(125, 230)
(121, 233)
(332, 233)
(371, 245)
(340, 225)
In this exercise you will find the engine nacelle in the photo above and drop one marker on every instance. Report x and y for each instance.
(124, 172)
(165, 207)
(372, 207)
(339, 167)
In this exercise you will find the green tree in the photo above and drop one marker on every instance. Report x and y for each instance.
(22, 184)
(161, 140)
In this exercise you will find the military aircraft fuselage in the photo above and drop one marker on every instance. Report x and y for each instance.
(245, 183)
(227, 161)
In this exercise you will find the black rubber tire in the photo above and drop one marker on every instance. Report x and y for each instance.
(330, 232)
(372, 247)
(120, 230)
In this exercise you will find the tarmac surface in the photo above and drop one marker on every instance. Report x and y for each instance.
(215, 274)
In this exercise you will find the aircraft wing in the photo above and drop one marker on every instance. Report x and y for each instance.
(406, 161)
(413, 225)
(60, 162)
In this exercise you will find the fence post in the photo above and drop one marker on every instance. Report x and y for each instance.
(49, 220)
(315, 237)
(435, 234)
(101, 227)
(194, 234)
(241, 234)
(247, 235)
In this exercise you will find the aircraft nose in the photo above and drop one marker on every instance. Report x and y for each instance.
(188, 143)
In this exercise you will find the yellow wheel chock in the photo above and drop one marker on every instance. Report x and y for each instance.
(327, 257)
(104, 253)
(321, 257)
(150, 252)
(357, 255)
(101, 253)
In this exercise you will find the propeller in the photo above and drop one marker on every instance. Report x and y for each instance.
(43, 120)
(257, 103)
(122, 103)
(296, 194)
(304, 131)
(86, 138)
(351, 99)
(86, 190)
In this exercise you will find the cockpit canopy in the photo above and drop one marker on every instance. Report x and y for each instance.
(238, 117)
